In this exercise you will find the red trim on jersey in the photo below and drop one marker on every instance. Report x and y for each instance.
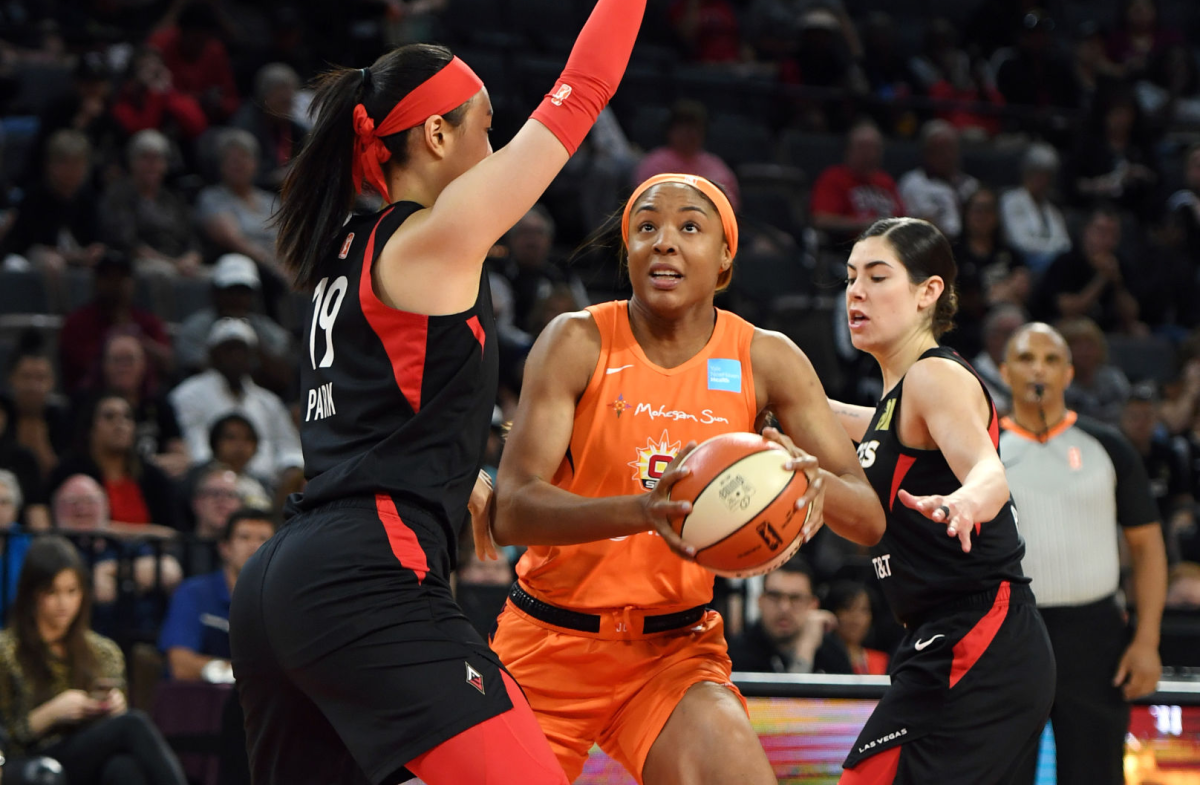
(879, 769)
(972, 646)
(407, 549)
(903, 464)
(994, 427)
(403, 334)
(477, 328)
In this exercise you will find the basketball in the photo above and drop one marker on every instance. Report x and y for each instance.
(744, 520)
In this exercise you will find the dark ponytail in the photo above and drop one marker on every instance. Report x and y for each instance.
(318, 192)
(925, 252)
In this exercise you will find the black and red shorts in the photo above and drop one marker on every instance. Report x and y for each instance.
(351, 655)
(972, 686)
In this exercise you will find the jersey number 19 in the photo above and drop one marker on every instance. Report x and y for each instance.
(328, 299)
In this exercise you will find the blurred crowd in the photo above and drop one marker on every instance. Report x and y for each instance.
(149, 339)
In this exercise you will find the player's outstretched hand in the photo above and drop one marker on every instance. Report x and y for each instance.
(814, 497)
(959, 515)
(658, 509)
(483, 514)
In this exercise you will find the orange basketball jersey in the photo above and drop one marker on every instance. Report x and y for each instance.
(630, 422)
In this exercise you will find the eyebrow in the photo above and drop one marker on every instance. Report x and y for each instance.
(690, 208)
(869, 265)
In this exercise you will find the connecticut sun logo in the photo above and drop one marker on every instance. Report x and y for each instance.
(619, 405)
(652, 460)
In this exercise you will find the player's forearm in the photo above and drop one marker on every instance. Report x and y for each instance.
(987, 487)
(854, 419)
(1150, 587)
(852, 509)
(538, 513)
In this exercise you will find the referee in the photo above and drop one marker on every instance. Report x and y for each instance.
(1077, 483)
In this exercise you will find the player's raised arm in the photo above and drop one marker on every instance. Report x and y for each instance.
(795, 394)
(414, 127)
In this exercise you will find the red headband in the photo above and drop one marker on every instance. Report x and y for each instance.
(448, 89)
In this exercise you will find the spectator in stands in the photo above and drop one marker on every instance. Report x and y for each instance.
(1184, 204)
(1183, 588)
(85, 329)
(147, 99)
(608, 162)
(964, 97)
(530, 271)
(197, 59)
(235, 215)
(227, 387)
(1168, 464)
(81, 507)
(1098, 389)
(884, 65)
(790, 628)
(56, 222)
(827, 54)
(684, 152)
(1092, 280)
(32, 509)
(843, 650)
(1170, 93)
(236, 292)
(156, 428)
(1139, 37)
(1080, 488)
(16, 539)
(86, 108)
(1035, 75)
(997, 25)
(63, 694)
(707, 31)
(1094, 72)
(849, 197)
(269, 119)
(138, 491)
(216, 496)
(998, 327)
(233, 442)
(143, 218)
(1032, 223)
(1113, 159)
(985, 261)
(195, 633)
(937, 190)
(40, 423)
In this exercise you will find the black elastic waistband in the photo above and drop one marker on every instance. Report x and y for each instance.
(588, 622)
(1019, 594)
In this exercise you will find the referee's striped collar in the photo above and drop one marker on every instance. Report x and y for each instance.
(1010, 425)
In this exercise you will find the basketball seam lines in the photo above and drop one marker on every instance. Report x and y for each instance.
(714, 479)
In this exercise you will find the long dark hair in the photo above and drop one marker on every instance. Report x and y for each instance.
(48, 556)
(85, 423)
(924, 252)
(318, 191)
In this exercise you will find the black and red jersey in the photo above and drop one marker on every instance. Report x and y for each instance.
(393, 403)
(918, 565)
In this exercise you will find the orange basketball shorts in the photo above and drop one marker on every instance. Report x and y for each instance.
(615, 693)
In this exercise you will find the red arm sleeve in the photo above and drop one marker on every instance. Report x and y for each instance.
(593, 71)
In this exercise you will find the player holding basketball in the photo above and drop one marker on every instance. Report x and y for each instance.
(353, 660)
(606, 629)
(973, 680)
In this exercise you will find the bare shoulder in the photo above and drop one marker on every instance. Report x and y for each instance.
(775, 351)
(572, 332)
(941, 383)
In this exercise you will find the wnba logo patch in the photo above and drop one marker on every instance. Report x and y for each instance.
(346, 246)
(475, 679)
(561, 94)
